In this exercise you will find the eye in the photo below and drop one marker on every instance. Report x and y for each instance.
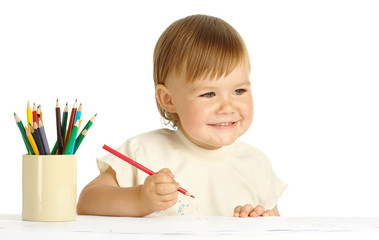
(239, 91)
(208, 95)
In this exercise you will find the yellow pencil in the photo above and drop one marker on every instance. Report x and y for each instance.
(31, 141)
(29, 116)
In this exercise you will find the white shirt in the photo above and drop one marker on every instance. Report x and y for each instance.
(219, 179)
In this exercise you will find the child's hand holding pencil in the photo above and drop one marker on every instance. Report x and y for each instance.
(159, 191)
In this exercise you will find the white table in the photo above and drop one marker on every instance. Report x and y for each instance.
(190, 227)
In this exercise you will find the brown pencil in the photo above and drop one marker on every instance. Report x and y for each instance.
(59, 128)
(71, 123)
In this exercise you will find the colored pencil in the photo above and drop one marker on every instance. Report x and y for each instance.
(59, 128)
(139, 166)
(23, 134)
(40, 112)
(80, 124)
(64, 122)
(72, 137)
(83, 133)
(34, 114)
(29, 115)
(31, 140)
(41, 129)
(77, 117)
(54, 151)
(37, 137)
(71, 124)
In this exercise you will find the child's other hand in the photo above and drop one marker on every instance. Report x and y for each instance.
(249, 211)
(159, 191)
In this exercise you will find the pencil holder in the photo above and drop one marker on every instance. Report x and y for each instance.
(49, 187)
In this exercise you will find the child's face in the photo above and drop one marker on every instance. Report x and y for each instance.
(213, 112)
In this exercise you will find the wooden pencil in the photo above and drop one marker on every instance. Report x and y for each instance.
(71, 124)
(83, 133)
(54, 151)
(77, 117)
(31, 140)
(40, 112)
(34, 114)
(29, 115)
(140, 167)
(23, 134)
(37, 137)
(59, 128)
(72, 137)
(64, 122)
(41, 129)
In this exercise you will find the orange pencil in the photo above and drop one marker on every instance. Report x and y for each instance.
(71, 123)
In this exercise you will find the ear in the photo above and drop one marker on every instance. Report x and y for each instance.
(164, 98)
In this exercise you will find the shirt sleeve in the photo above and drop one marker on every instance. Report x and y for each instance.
(125, 173)
(275, 188)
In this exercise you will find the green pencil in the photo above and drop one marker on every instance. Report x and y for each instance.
(23, 134)
(83, 133)
(74, 131)
(55, 148)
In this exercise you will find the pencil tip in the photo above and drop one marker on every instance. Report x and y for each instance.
(189, 194)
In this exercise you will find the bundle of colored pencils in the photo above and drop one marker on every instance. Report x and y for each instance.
(68, 140)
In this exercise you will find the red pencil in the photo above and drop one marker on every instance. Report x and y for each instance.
(35, 119)
(140, 167)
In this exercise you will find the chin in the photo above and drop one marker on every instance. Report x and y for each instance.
(226, 142)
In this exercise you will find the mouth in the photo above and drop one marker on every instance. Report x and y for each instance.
(223, 125)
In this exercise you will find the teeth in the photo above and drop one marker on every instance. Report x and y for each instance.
(223, 124)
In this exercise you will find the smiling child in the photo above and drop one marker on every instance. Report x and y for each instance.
(202, 88)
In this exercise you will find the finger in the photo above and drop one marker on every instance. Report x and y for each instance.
(237, 211)
(165, 205)
(268, 213)
(166, 171)
(245, 210)
(161, 177)
(167, 197)
(166, 188)
(258, 211)
(170, 197)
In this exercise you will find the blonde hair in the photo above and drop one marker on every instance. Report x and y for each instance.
(203, 46)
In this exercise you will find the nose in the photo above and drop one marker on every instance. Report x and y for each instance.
(226, 106)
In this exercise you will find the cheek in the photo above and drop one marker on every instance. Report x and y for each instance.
(248, 110)
(194, 117)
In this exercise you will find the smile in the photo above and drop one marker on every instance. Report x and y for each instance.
(223, 124)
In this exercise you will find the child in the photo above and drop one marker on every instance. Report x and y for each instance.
(201, 75)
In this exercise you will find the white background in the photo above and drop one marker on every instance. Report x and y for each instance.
(315, 68)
